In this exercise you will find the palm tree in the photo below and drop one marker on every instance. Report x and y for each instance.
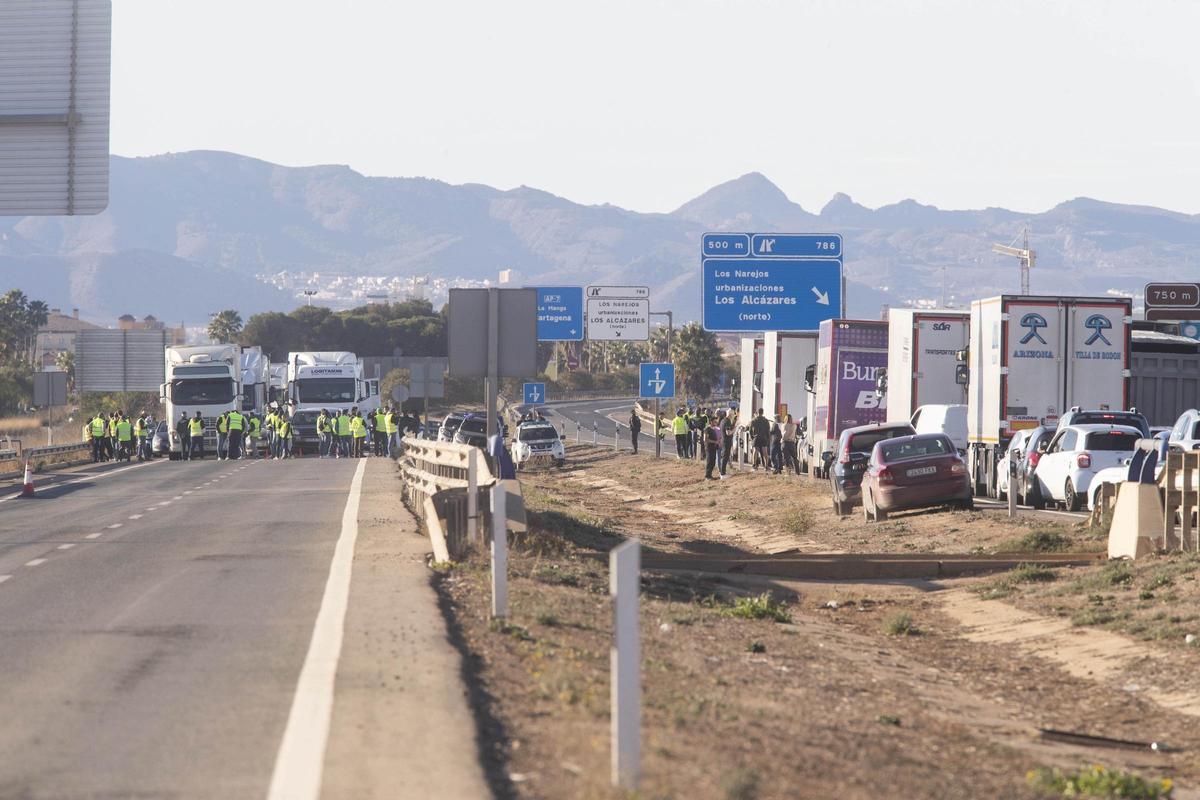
(658, 344)
(697, 359)
(37, 314)
(225, 326)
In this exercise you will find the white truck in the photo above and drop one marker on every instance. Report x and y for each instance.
(256, 378)
(1031, 358)
(922, 360)
(325, 380)
(204, 378)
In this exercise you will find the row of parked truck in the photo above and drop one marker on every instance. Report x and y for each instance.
(215, 379)
(1010, 364)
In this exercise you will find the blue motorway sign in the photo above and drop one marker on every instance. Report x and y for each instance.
(770, 281)
(535, 394)
(657, 380)
(560, 313)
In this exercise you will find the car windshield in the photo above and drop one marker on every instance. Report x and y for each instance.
(1110, 418)
(536, 433)
(201, 391)
(473, 426)
(865, 442)
(1112, 440)
(162, 427)
(915, 448)
(326, 390)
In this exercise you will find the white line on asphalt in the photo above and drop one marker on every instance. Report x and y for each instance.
(177, 497)
(35, 562)
(65, 546)
(165, 503)
(188, 491)
(3, 578)
(115, 525)
(136, 516)
(301, 757)
(87, 478)
(94, 535)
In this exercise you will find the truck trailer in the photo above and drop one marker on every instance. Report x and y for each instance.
(204, 378)
(1033, 357)
(255, 380)
(851, 354)
(922, 362)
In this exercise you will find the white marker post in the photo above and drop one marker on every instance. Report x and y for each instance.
(616, 436)
(624, 564)
(499, 553)
(593, 431)
(472, 497)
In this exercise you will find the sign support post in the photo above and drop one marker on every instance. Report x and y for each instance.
(657, 438)
(491, 383)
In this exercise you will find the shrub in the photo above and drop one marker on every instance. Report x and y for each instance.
(1099, 781)
(761, 607)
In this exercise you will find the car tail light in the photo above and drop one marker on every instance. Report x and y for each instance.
(884, 475)
(845, 459)
(1034, 457)
(1083, 460)
(958, 468)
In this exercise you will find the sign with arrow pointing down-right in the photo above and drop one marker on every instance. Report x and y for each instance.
(770, 281)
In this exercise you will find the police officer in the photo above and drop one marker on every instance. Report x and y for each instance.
(236, 423)
(196, 437)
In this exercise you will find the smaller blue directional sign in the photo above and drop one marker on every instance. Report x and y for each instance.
(795, 245)
(560, 313)
(657, 380)
(535, 394)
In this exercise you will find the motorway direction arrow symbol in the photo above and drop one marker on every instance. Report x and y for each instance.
(822, 297)
(535, 393)
(657, 379)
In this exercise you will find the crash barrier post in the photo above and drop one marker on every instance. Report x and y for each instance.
(1180, 490)
(624, 565)
(436, 483)
(577, 433)
(473, 497)
(499, 553)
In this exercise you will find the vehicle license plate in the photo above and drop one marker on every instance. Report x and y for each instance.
(912, 473)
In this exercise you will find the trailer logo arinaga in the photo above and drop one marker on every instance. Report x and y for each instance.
(1033, 323)
(1099, 324)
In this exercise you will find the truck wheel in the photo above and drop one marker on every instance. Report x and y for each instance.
(1073, 501)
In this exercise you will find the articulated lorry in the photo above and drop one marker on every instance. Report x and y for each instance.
(1032, 358)
(325, 380)
(205, 378)
(922, 360)
(255, 380)
(851, 354)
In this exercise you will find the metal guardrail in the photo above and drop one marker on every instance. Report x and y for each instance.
(1180, 486)
(436, 478)
(34, 452)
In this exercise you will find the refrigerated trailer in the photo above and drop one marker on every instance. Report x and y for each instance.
(921, 366)
(851, 354)
(1033, 357)
(785, 358)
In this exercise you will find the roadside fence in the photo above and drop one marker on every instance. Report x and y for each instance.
(442, 482)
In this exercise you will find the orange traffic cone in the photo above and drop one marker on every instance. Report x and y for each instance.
(27, 489)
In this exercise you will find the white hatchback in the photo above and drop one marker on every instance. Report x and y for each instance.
(1076, 454)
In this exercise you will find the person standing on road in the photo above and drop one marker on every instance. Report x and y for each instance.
(323, 434)
(222, 436)
(253, 431)
(97, 431)
(196, 437)
(343, 433)
(284, 439)
(712, 446)
(679, 427)
(760, 437)
(791, 438)
(124, 437)
(185, 438)
(236, 424)
(776, 447)
(358, 430)
(725, 419)
(635, 429)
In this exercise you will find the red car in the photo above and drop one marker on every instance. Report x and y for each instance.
(914, 472)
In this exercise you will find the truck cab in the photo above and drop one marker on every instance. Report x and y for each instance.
(205, 379)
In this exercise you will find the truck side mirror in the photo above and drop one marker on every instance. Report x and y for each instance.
(810, 374)
(961, 355)
(962, 374)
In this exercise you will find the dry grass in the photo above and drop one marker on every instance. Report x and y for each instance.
(21, 426)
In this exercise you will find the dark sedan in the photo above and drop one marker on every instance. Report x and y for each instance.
(914, 472)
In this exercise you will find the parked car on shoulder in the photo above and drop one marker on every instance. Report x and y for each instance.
(948, 419)
(849, 462)
(911, 472)
(473, 431)
(160, 440)
(1073, 457)
(1132, 418)
(1024, 448)
(537, 442)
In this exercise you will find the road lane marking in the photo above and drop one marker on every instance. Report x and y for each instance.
(188, 491)
(65, 546)
(3, 578)
(301, 757)
(177, 497)
(35, 562)
(136, 516)
(86, 478)
(165, 503)
(94, 535)
(115, 525)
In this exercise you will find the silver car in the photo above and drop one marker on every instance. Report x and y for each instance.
(1024, 447)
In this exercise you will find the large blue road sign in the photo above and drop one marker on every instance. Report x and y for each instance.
(560, 313)
(657, 380)
(535, 394)
(770, 281)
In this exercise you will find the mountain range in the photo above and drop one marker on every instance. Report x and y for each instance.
(185, 234)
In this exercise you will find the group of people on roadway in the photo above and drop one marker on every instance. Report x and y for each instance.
(710, 434)
(117, 437)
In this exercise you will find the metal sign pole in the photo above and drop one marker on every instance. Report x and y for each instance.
(492, 386)
(657, 438)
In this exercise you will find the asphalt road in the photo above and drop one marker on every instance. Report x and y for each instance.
(154, 623)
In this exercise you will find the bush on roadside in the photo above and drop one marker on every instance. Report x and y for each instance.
(761, 607)
(1099, 781)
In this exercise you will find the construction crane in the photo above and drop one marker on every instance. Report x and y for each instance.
(1026, 256)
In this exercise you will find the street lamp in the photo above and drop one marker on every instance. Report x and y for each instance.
(308, 293)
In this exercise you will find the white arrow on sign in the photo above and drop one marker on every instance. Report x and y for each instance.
(534, 394)
(822, 297)
(658, 383)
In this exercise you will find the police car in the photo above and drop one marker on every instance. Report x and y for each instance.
(537, 442)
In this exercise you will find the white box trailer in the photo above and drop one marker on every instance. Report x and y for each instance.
(922, 348)
(1033, 357)
(749, 390)
(785, 358)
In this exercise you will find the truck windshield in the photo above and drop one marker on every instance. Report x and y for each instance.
(326, 390)
(201, 391)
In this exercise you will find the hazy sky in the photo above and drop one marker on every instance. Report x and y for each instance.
(645, 103)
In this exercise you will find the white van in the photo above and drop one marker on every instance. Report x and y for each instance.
(948, 419)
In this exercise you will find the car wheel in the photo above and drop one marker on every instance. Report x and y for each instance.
(967, 504)
(880, 514)
(1073, 501)
(1034, 497)
(867, 517)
